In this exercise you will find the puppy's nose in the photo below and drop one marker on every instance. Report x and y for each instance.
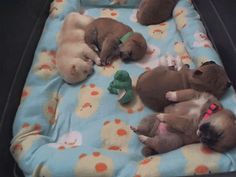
(208, 134)
(204, 127)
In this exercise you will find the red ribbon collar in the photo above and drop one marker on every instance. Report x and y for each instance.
(213, 108)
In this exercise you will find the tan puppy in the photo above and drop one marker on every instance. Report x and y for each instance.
(74, 58)
(152, 12)
(114, 39)
(195, 117)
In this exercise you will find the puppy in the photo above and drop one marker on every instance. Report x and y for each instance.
(113, 39)
(152, 12)
(74, 58)
(152, 85)
(195, 117)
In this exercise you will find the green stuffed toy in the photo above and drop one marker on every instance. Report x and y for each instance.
(122, 86)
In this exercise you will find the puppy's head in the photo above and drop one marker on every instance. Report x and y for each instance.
(134, 48)
(218, 131)
(211, 78)
(77, 71)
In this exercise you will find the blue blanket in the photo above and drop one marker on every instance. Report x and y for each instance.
(62, 130)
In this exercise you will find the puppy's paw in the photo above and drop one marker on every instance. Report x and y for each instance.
(171, 96)
(161, 117)
(135, 129)
(98, 61)
(142, 138)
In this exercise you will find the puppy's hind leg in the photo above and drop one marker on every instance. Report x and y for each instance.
(162, 144)
(145, 126)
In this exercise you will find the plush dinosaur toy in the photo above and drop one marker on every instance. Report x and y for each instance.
(122, 86)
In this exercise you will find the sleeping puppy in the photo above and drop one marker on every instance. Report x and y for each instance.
(152, 12)
(113, 39)
(74, 58)
(195, 117)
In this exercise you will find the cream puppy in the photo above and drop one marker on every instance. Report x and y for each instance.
(74, 59)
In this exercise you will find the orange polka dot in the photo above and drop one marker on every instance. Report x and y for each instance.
(121, 132)
(17, 147)
(137, 176)
(96, 154)
(53, 53)
(114, 148)
(145, 161)
(82, 156)
(24, 93)
(94, 93)
(117, 121)
(106, 122)
(130, 111)
(92, 85)
(51, 110)
(201, 169)
(37, 127)
(61, 148)
(85, 105)
(113, 14)
(206, 150)
(100, 167)
(25, 125)
(59, 0)
(45, 66)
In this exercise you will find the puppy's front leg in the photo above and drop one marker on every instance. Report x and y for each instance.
(91, 38)
(110, 49)
(182, 95)
(88, 53)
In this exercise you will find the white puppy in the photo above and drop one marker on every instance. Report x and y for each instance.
(74, 58)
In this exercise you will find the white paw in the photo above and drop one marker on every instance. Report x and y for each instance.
(171, 96)
(133, 128)
(97, 61)
(142, 138)
(160, 117)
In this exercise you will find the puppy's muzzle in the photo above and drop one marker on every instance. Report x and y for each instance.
(208, 134)
(125, 56)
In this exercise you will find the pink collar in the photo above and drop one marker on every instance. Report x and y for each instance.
(213, 108)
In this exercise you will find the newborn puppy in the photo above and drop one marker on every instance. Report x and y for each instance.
(113, 39)
(74, 58)
(152, 85)
(195, 117)
(152, 12)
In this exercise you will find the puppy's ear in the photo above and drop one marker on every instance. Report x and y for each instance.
(208, 63)
(228, 84)
(197, 73)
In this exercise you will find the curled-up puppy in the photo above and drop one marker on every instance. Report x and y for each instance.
(195, 117)
(112, 39)
(152, 12)
(74, 58)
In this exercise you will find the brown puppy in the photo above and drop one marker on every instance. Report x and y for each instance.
(114, 39)
(152, 12)
(152, 85)
(196, 117)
